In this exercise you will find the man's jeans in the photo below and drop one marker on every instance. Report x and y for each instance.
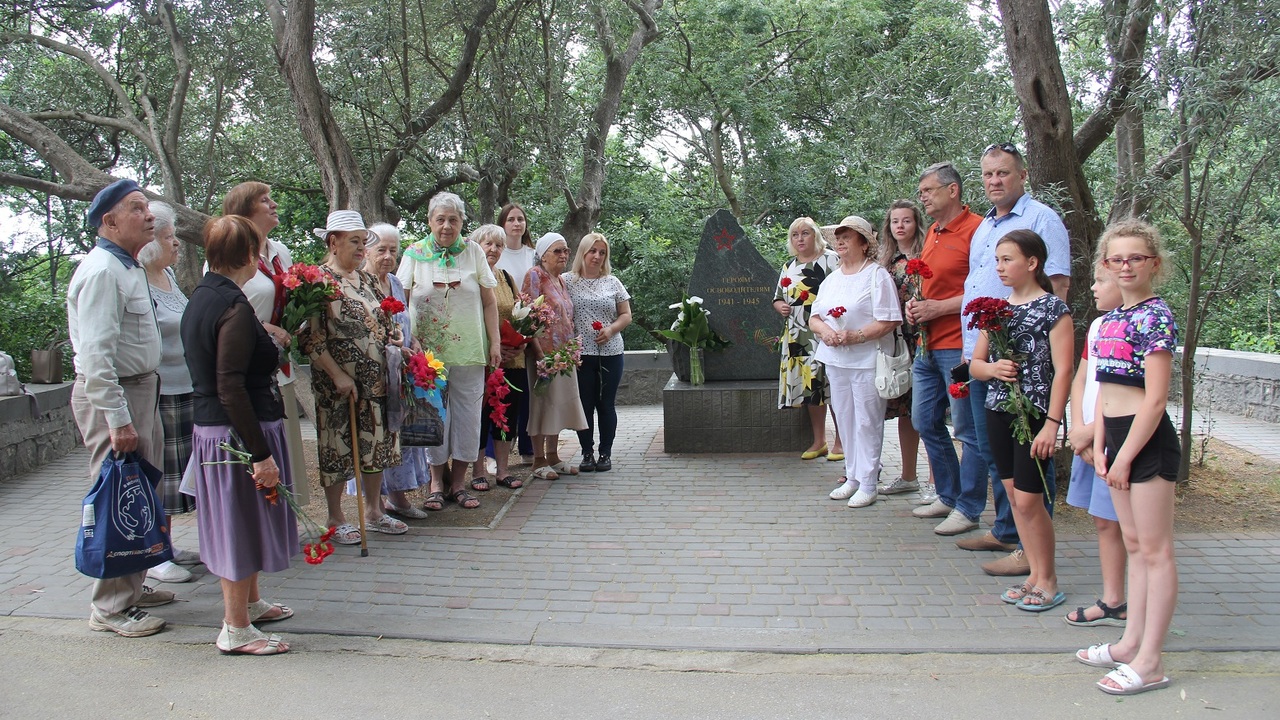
(1004, 529)
(961, 483)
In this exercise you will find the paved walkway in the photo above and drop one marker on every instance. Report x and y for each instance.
(741, 552)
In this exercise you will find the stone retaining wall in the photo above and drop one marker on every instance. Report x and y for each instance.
(1239, 383)
(27, 442)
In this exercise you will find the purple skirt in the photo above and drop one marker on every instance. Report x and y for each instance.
(240, 532)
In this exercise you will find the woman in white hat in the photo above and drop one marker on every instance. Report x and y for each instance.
(346, 346)
(856, 309)
(454, 314)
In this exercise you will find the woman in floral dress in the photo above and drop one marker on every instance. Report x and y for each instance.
(802, 380)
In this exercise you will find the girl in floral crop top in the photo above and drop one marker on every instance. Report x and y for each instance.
(1136, 450)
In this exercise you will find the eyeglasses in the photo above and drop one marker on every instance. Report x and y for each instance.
(1005, 147)
(560, 251)
(1115, 262)
(925, 191)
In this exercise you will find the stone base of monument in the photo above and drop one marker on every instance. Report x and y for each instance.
(730, 416)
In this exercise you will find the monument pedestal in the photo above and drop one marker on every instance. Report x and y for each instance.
(731, 416)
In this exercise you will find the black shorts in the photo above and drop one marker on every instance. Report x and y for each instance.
(1159, 457)
(1013, 459)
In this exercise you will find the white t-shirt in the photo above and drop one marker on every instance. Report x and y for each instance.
(1089, 402)
(516, 262)
(866, 295)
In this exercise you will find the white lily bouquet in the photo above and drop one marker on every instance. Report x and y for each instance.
(692, 329)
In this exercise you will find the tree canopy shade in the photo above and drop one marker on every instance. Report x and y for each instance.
(642, 117)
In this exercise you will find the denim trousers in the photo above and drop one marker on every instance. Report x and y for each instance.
(961, 482)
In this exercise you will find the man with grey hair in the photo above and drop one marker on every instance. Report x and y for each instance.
(116, 393)
(946, 252)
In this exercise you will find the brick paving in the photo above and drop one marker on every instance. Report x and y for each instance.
(720, 552)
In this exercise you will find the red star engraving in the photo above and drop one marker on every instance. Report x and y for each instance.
(724, 240)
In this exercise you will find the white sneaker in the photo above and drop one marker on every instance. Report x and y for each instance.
(844, 491)
(898, 486)
(133, 622)
(862, 498)
(186, 557)
(168, 572)
(955, 524)
(933, 510)
(928, 494)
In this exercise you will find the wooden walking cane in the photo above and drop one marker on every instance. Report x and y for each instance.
(355, 463)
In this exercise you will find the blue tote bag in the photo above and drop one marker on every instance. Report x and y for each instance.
(123, 524)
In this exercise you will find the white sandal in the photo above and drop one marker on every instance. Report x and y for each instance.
(1096, 656)
(232, 639)
(258, 610)
(545, 473)
(564, 468)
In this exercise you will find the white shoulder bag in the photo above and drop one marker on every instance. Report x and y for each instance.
(893, 372)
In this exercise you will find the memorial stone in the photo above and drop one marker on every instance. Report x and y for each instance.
(736, 284)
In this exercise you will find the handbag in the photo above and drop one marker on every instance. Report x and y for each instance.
(122, 523)
(893, 372)
(423, 423)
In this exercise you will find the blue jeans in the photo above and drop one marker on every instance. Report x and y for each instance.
(960, 482)
(598, 380)
(1004, 528)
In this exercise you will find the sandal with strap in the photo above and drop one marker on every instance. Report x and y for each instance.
(465, 500)
(434, 502)
(511, 481)
(258, 612)
(1015, 593)
(1110, 616)
(1097, 656)
(480, 484)
(346, 534)
(234, 641)
(545, 473)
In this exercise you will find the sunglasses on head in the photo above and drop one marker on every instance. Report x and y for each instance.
(1004, 147)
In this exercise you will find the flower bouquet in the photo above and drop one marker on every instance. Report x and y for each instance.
(917, 271)
(692, 329)
(992, 316)
(833, 316)
(496, 390)
(423, 397)
(529, 319)
(308, 291)
(560, 361)
(313, 552)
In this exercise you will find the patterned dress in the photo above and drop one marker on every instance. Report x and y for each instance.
(802, 380)
(901, 406)
(355, 332)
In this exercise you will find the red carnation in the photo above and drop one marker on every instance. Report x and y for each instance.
(597, 326)
(837, 311)
(920, 268)
(958, 391)
(804, 295)
(988, 313)
(785, 282)
(391, 306)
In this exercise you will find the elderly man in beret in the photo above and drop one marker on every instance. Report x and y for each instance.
(116, 393)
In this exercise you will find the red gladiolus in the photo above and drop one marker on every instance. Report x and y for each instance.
(958, 391)
(785, 282)
(391, 306)
(597, 326)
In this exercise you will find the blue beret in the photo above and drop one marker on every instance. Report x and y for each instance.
(108, 198)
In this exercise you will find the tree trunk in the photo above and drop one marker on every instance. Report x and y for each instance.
(585, 205)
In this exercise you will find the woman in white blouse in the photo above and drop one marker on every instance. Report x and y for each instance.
(856, 310)
(601, 311)
(517, 260)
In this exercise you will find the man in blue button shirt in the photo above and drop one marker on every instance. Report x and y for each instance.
(1004, 178)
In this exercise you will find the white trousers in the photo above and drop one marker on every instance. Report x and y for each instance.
(462, 416)
(859, 411)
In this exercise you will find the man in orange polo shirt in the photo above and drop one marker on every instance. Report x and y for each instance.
(961, 482)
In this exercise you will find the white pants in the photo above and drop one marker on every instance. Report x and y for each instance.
(462, 416)
(859, 411)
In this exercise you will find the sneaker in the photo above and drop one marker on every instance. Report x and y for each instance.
(933, 510)
(588, 463)
(928, 494)
(1013, 564)
(898, 486)
(186, 557)
(152, 597)
(956, 523)
(604, 464)
(862, 498)
(844, 491)
(168, 572)
(987, 541)
(130, 623)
